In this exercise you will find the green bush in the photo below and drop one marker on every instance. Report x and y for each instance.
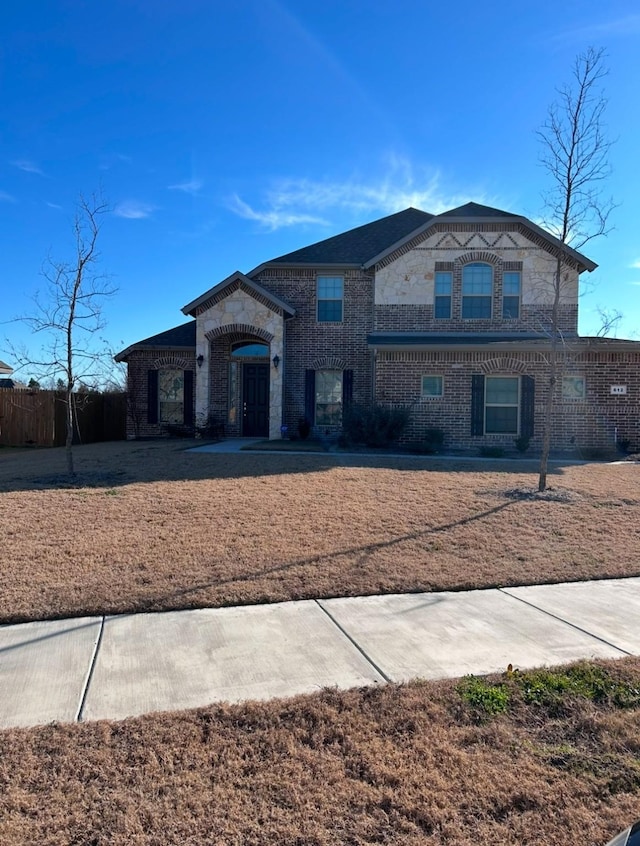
(432, 442)
(522, 443)
(304, 428)
(375, 425)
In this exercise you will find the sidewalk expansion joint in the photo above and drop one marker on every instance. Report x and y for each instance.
(566, 622)
(354, 643)
(85, 690)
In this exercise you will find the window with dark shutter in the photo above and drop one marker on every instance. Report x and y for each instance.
(477, 405)
(347, 388)
(188, 397)
(152, 396)
(527, 406)
(310, 395)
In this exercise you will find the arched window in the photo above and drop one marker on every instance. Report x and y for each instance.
(253, 349)
(477, 291)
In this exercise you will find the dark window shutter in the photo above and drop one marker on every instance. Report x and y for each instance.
(477, 405)
(527, 406)
(152, 396)
(188, 397)
(310, 395)
(347, 388)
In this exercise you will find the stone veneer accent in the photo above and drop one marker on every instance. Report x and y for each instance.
(404, 287)
(245, 316)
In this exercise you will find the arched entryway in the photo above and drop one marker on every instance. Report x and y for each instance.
(249, 386)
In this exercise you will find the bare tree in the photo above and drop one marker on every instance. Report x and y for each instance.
(67, 313)
(575, 154)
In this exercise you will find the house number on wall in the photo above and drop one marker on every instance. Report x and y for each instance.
(619, 389)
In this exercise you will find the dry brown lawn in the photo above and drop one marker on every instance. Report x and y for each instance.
(149, 526)
(396, 765)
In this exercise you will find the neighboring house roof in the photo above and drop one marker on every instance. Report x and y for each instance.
(357, 245)
(5, 369)
(180, 337)
(191, 307)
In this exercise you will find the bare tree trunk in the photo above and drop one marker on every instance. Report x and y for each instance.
(553, 378)
(68, 444)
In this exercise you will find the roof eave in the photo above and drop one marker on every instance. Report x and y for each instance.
(304, 264)
(122, 356)
(190, 308)
(583, 262)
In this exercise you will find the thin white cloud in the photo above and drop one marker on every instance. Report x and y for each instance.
(27, 166)
(635, 265)
(134, 210)
(297, 201)
(628, 25)
(54, 206)
(192, 186)
(6, 198)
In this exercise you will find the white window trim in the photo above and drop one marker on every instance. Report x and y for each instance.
(432, 396)
(320, 299)
(517, 406)
(490, 296)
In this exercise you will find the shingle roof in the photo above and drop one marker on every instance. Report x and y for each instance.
(476, 210)
(360, 244)
(5, 368)
(180, 336)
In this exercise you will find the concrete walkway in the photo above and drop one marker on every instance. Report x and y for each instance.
(114, 667)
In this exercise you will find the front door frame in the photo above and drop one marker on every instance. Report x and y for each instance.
(255, 410)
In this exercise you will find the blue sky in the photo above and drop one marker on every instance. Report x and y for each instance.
(224, 134)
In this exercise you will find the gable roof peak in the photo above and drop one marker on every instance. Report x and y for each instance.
(472, 209)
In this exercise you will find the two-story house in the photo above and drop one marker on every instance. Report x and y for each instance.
(449, 314)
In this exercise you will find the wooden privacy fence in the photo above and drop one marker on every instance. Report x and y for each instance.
(37, 418)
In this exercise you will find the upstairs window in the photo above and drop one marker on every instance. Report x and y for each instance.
(477, 291)
(511, 284)
(442, 300)
(330, 290)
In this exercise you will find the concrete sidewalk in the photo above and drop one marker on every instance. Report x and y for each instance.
(114, 667)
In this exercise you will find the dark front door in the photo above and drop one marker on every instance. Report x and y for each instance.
(255, 400)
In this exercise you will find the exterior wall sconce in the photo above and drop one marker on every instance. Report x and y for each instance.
(200, 360)
(276, 361)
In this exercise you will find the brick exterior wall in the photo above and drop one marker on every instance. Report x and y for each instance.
(595, 421)
(313, 345)
(138, 363)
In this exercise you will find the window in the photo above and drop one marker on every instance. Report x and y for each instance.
(171, 396)
(573, 387)
(330, 293)
(252, 349)
(477, 291)
(501, 403)
(328, 400)
(511, 295)
(432, 386)
(442, 300)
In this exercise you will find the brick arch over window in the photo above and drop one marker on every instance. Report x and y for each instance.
(483, 256)
(329, 362)
(240, 330)
(172, 360)
(506, 365)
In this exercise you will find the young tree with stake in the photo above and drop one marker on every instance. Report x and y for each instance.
(575, 155)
